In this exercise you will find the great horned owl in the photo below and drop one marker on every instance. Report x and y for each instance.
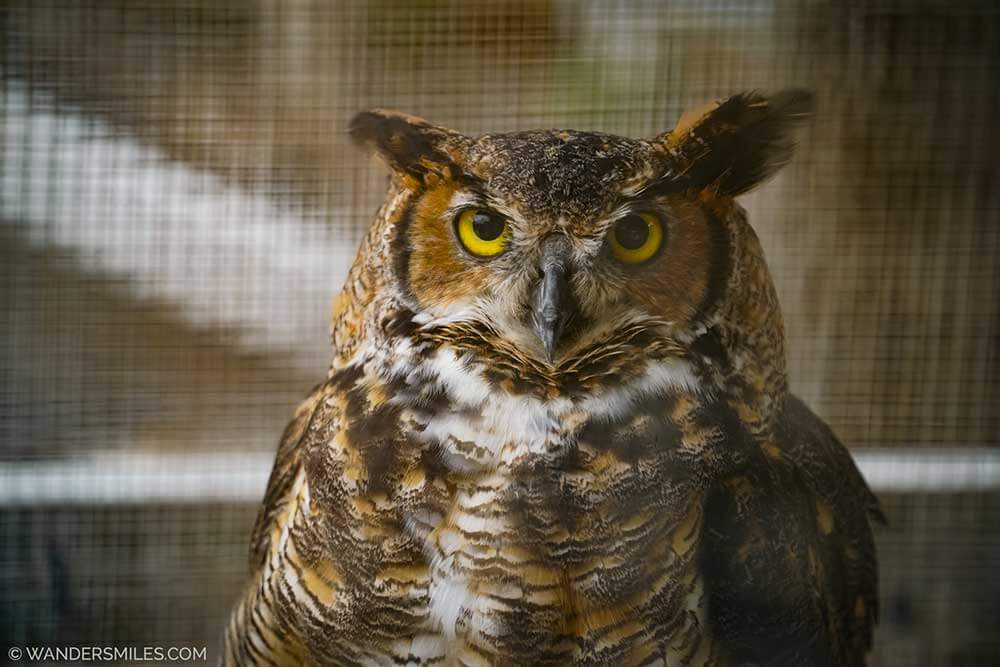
(557, 427)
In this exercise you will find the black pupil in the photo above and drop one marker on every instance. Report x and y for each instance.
(486, 226)
(632, 232)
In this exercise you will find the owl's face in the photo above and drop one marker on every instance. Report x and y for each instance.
(548, 243)
(555, 237)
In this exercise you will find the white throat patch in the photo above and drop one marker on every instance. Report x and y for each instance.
(492, 428)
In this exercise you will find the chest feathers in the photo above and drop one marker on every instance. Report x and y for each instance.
(526, 527)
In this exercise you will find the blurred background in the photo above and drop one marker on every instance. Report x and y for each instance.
(179, 204)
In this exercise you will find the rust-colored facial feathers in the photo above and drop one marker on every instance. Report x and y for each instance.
(584, 186)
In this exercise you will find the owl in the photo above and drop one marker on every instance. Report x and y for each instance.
(557, 426)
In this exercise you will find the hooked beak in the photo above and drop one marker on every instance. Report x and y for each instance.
(551, 308)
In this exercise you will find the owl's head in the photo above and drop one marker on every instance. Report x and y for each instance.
(563, 254)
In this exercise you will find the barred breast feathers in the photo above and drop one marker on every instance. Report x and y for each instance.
(496, 440)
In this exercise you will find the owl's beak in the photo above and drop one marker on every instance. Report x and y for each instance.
(551, 301)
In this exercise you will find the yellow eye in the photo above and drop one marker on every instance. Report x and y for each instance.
(636, 238)
(483, 233)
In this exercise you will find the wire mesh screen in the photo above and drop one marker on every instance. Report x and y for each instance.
(179, 203)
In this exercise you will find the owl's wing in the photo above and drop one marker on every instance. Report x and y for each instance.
(788, 555)
(286, 465)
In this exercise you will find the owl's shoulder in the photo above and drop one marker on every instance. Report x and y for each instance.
(789, 557)
(320, 408)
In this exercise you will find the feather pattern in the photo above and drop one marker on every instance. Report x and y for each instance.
(649, 494)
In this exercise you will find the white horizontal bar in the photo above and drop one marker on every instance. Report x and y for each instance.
(938, 470)
(151, 478)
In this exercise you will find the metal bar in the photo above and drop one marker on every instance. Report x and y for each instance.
(238, 477)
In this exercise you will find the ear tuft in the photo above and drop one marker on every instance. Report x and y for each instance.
(737, 144)
(409, 144)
